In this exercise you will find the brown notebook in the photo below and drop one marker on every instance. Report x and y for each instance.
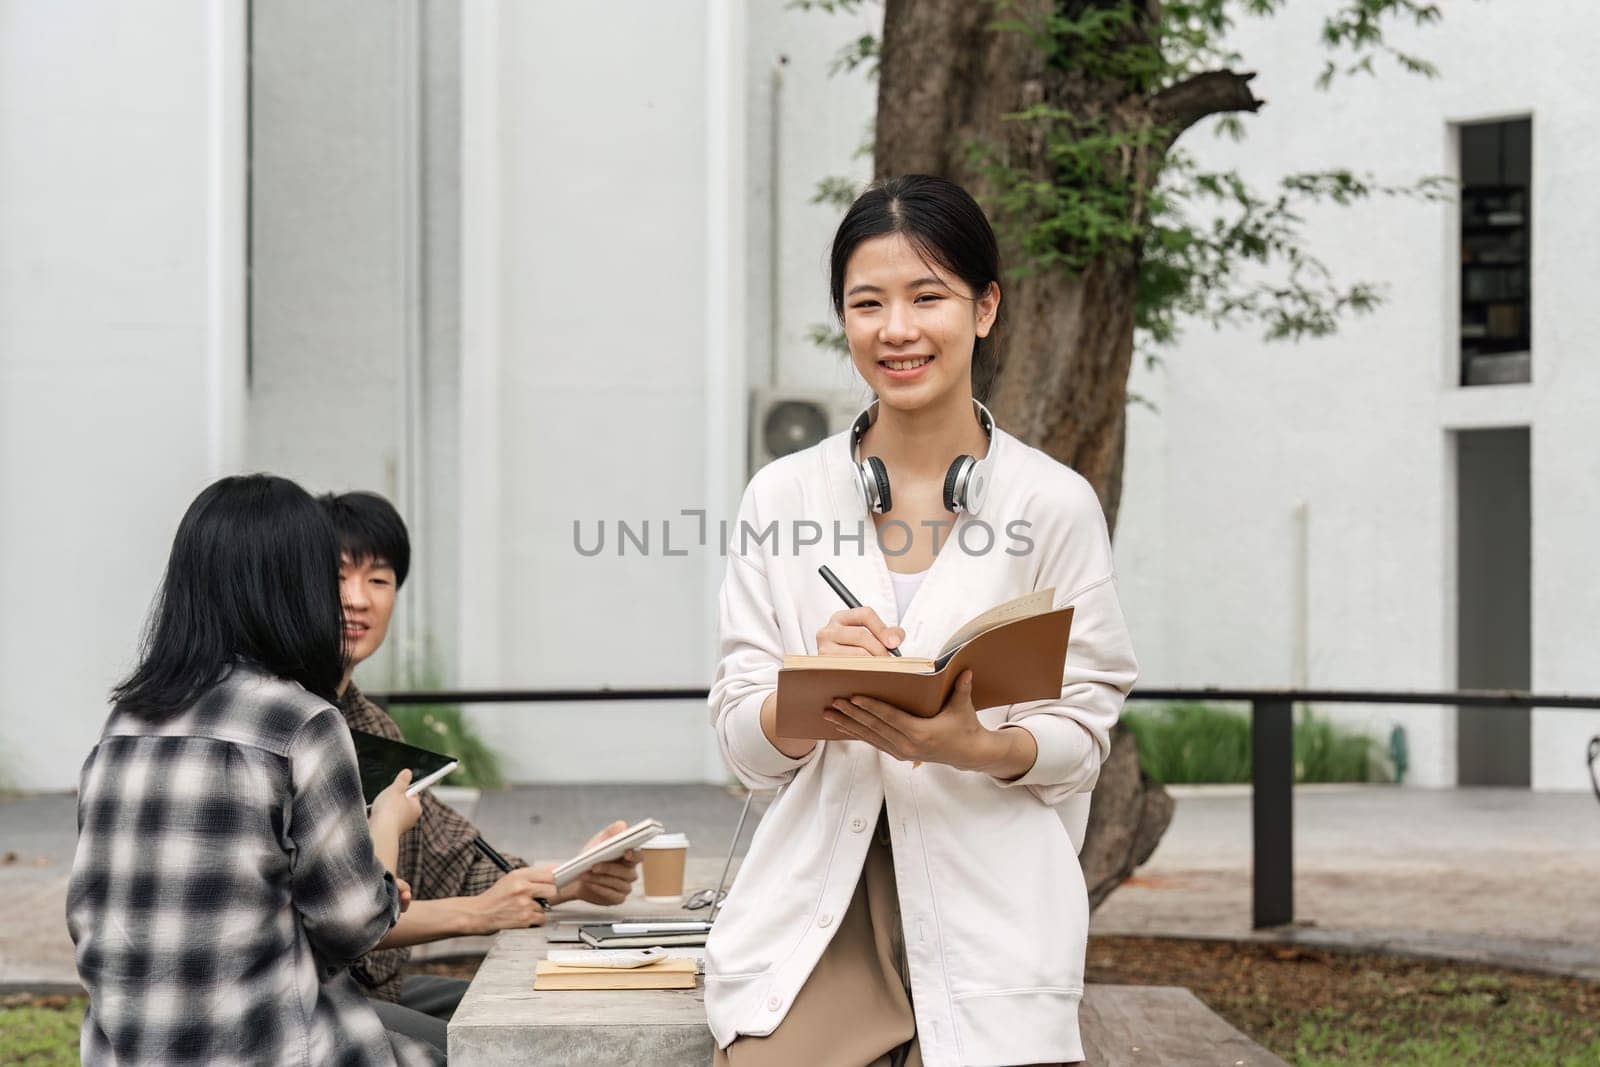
(663, 974)
(1016, 652)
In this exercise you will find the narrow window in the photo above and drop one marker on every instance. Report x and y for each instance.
(1496, 178)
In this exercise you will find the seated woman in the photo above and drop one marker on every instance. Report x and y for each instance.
(225, 875)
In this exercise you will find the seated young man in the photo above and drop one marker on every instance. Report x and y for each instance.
(455, 890)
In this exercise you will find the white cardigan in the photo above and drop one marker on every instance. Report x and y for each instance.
(992, 899)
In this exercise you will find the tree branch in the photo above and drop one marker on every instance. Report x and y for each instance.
(1181, 106)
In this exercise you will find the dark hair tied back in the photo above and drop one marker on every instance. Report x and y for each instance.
(945, 226)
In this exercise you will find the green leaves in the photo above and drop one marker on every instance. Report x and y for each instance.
(1357, 28)
(1193, 742)
(828, 338)
(863, 51)
(442, 728)
(831, 7)
(840, 192)
(1208, 245)
(1104, 182)
(1087, 206)
(1222, 252)
(1108, 41)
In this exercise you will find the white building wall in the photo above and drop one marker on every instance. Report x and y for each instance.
(805, 124)
(1358, 426)
(354, 285)
(587, 320)
(121, 287)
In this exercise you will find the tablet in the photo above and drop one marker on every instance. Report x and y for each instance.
(610, 849)
(380, 759)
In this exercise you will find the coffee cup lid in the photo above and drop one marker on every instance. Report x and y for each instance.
(667, 841)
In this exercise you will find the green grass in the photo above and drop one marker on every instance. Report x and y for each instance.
(1483, 1033)
(41, 1036)
(1191, 743)
(1318, 1008)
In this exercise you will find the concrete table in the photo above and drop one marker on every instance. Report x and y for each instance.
(504, 1020)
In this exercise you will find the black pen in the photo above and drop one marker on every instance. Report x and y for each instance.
(494, 857)
(845, 595)
(491, 855)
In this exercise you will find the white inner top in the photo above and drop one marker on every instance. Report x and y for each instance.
(905, 587)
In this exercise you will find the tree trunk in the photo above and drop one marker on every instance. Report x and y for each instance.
(946, 80)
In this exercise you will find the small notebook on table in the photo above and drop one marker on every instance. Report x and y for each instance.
(1015, 651)
(663, 974)
(662, 933)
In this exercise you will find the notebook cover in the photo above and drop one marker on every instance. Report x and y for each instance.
(666, 939)
(1013, 663)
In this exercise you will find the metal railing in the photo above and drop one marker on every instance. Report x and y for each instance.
(1271, 744)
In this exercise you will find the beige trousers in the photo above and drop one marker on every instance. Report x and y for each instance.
(855, 1009)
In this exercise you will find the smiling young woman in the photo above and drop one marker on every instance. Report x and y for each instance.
(916, 878)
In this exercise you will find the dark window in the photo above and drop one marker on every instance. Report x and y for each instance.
(1496, 177)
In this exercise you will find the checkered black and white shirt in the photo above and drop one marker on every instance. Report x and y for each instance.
(224, 882)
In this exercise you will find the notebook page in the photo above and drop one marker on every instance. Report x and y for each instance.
(1034, 603)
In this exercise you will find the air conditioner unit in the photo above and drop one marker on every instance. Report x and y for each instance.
(786, 420)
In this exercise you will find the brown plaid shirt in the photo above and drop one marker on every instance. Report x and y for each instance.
(436, 855)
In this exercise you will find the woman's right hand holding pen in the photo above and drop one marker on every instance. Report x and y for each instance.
(857, 632)
(852, 632)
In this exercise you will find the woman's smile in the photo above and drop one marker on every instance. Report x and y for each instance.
(904, 368)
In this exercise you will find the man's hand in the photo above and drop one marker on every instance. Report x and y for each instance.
(405, 893)
(606, 884)
(512, 903)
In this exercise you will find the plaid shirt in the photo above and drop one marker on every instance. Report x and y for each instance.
(224, 880)
(437, 856)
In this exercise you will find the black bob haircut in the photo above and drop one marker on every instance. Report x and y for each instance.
(253, 577)
(369, 528)
(946, 227)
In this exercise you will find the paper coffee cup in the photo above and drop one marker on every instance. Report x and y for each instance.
(663, 858)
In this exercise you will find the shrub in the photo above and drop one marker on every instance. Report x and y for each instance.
(442, 728)
(1324, 752)
(1195, 742)
(1181, 743)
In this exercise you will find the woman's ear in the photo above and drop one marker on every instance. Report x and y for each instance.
(988, 308)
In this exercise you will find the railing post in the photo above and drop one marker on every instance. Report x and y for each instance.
(1272, 810)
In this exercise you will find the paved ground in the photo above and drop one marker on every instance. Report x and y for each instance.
(1469, 873)
(1494, 874)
